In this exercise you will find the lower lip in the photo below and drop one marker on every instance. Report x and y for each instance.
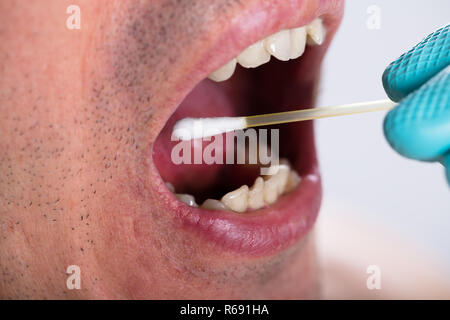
(263, 233)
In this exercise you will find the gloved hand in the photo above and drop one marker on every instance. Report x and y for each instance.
(419, 127)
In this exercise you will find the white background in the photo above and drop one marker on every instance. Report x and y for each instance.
(363, 178)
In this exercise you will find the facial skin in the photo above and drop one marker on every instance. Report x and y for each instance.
(79, 112)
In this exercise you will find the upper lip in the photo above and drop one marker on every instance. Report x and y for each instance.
(256, 21)
(267, 231)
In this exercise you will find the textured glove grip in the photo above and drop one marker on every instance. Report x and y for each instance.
(418, 65)
(419, 127)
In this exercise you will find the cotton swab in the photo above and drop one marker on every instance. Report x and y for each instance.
(195, 128)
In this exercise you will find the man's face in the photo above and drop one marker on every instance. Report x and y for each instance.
(85, 121)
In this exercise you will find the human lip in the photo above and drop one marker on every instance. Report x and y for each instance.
(255, 21)
(278, 226)
(261, 21)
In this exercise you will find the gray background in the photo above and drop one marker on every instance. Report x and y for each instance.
(363, 178)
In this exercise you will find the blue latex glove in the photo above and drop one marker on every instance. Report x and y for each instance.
(419, 127)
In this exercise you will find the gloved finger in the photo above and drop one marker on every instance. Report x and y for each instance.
(446, 163)
(418, 65)
(419, 127)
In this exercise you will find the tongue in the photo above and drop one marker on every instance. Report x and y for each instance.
(206, 100)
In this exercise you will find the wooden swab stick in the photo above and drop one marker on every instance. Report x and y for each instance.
(195, 128)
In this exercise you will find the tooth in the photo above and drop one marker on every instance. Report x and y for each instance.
(292, 181)
(298, 42)
(237, 200)
(256, 194)
(224, 72)
(254, 56)
(170, 187)
(279, 45)
(187, 198)
(275, 184)
(316, 32)
(282, 176)
(270, 190)
(213, 204)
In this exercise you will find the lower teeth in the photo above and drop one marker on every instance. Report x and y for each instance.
(213, 204)
(188, 199)
(262, 193)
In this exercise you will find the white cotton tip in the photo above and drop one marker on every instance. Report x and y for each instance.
(196, 128)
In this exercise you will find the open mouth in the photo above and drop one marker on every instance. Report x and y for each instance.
(275, 69)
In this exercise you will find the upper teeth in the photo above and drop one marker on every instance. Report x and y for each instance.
(283, 45)
(254, 56)
(279, 45)
(316, 32)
